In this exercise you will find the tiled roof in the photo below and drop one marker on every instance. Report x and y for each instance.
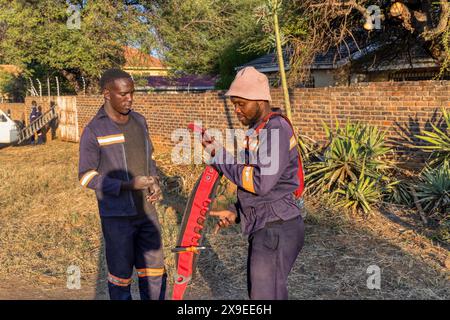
(10, 68)
(134, 58)
(350, 51)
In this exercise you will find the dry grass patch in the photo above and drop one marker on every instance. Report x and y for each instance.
(48, 222)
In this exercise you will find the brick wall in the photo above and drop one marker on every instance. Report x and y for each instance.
(21, 111)
(167, 112)
(401, 109)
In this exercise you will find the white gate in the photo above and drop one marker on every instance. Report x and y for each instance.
(68, 118)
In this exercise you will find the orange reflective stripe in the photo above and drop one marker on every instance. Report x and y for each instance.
(150, 272)
(87, 177)
(107, 140)
(247, 179)
(119, 281)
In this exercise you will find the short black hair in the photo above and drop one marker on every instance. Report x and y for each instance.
(111, 75)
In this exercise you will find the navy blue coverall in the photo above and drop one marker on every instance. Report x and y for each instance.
(266, 207)
(33, 116)
(132, 239)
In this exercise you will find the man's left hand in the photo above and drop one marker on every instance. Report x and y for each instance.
(155, 193)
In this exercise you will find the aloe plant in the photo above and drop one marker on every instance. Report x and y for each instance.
(438, 142)
(353, 167)
(399, 191)
(342, 160)
(359, 194)
(310, 150)
(433, 191)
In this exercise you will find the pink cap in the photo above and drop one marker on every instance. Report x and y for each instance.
(250, 84)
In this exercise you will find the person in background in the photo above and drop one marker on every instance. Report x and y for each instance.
(33, 117)
(40, 133)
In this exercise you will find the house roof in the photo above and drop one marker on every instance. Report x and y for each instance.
(191, 82)
(267, 63)
(134, 58)
(10, 68)
(413, 57)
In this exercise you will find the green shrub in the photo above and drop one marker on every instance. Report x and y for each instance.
(438, 142)
(433, 191)
(353, 168)
(398, 191)
(359, 194)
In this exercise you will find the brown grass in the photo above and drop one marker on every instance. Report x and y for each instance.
(49, 222)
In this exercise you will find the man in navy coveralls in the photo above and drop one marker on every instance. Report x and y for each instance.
(116, 161)
(266, 207)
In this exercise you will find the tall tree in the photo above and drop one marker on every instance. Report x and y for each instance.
(196, 36)
(310, 27)
(45, 35)
(204, 36)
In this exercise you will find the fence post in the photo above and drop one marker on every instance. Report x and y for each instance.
(40, 88)
(48, 87)
(57, 86)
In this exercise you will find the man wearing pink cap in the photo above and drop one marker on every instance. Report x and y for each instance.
(266, 207)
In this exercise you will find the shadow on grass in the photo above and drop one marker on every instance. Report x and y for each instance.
(338, 252)
(416, 225)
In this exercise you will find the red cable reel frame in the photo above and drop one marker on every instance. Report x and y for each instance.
(192, 223)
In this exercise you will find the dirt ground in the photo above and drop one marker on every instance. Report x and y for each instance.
(48, 222)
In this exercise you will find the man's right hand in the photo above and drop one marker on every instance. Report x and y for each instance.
(226, 218)
(138, 183)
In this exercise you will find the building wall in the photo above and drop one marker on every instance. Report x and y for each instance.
(401, 109)
(21, 111)
(323, 78)
(146, 71)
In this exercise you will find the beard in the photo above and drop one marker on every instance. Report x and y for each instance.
(125, 113)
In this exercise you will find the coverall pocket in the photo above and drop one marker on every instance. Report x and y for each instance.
(271, 239)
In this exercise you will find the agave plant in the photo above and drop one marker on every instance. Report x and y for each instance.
(358, 195)
(309, 148)
(433, 191)
(398, 191)
(438, 142)
(352, 169)
(342, 159)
